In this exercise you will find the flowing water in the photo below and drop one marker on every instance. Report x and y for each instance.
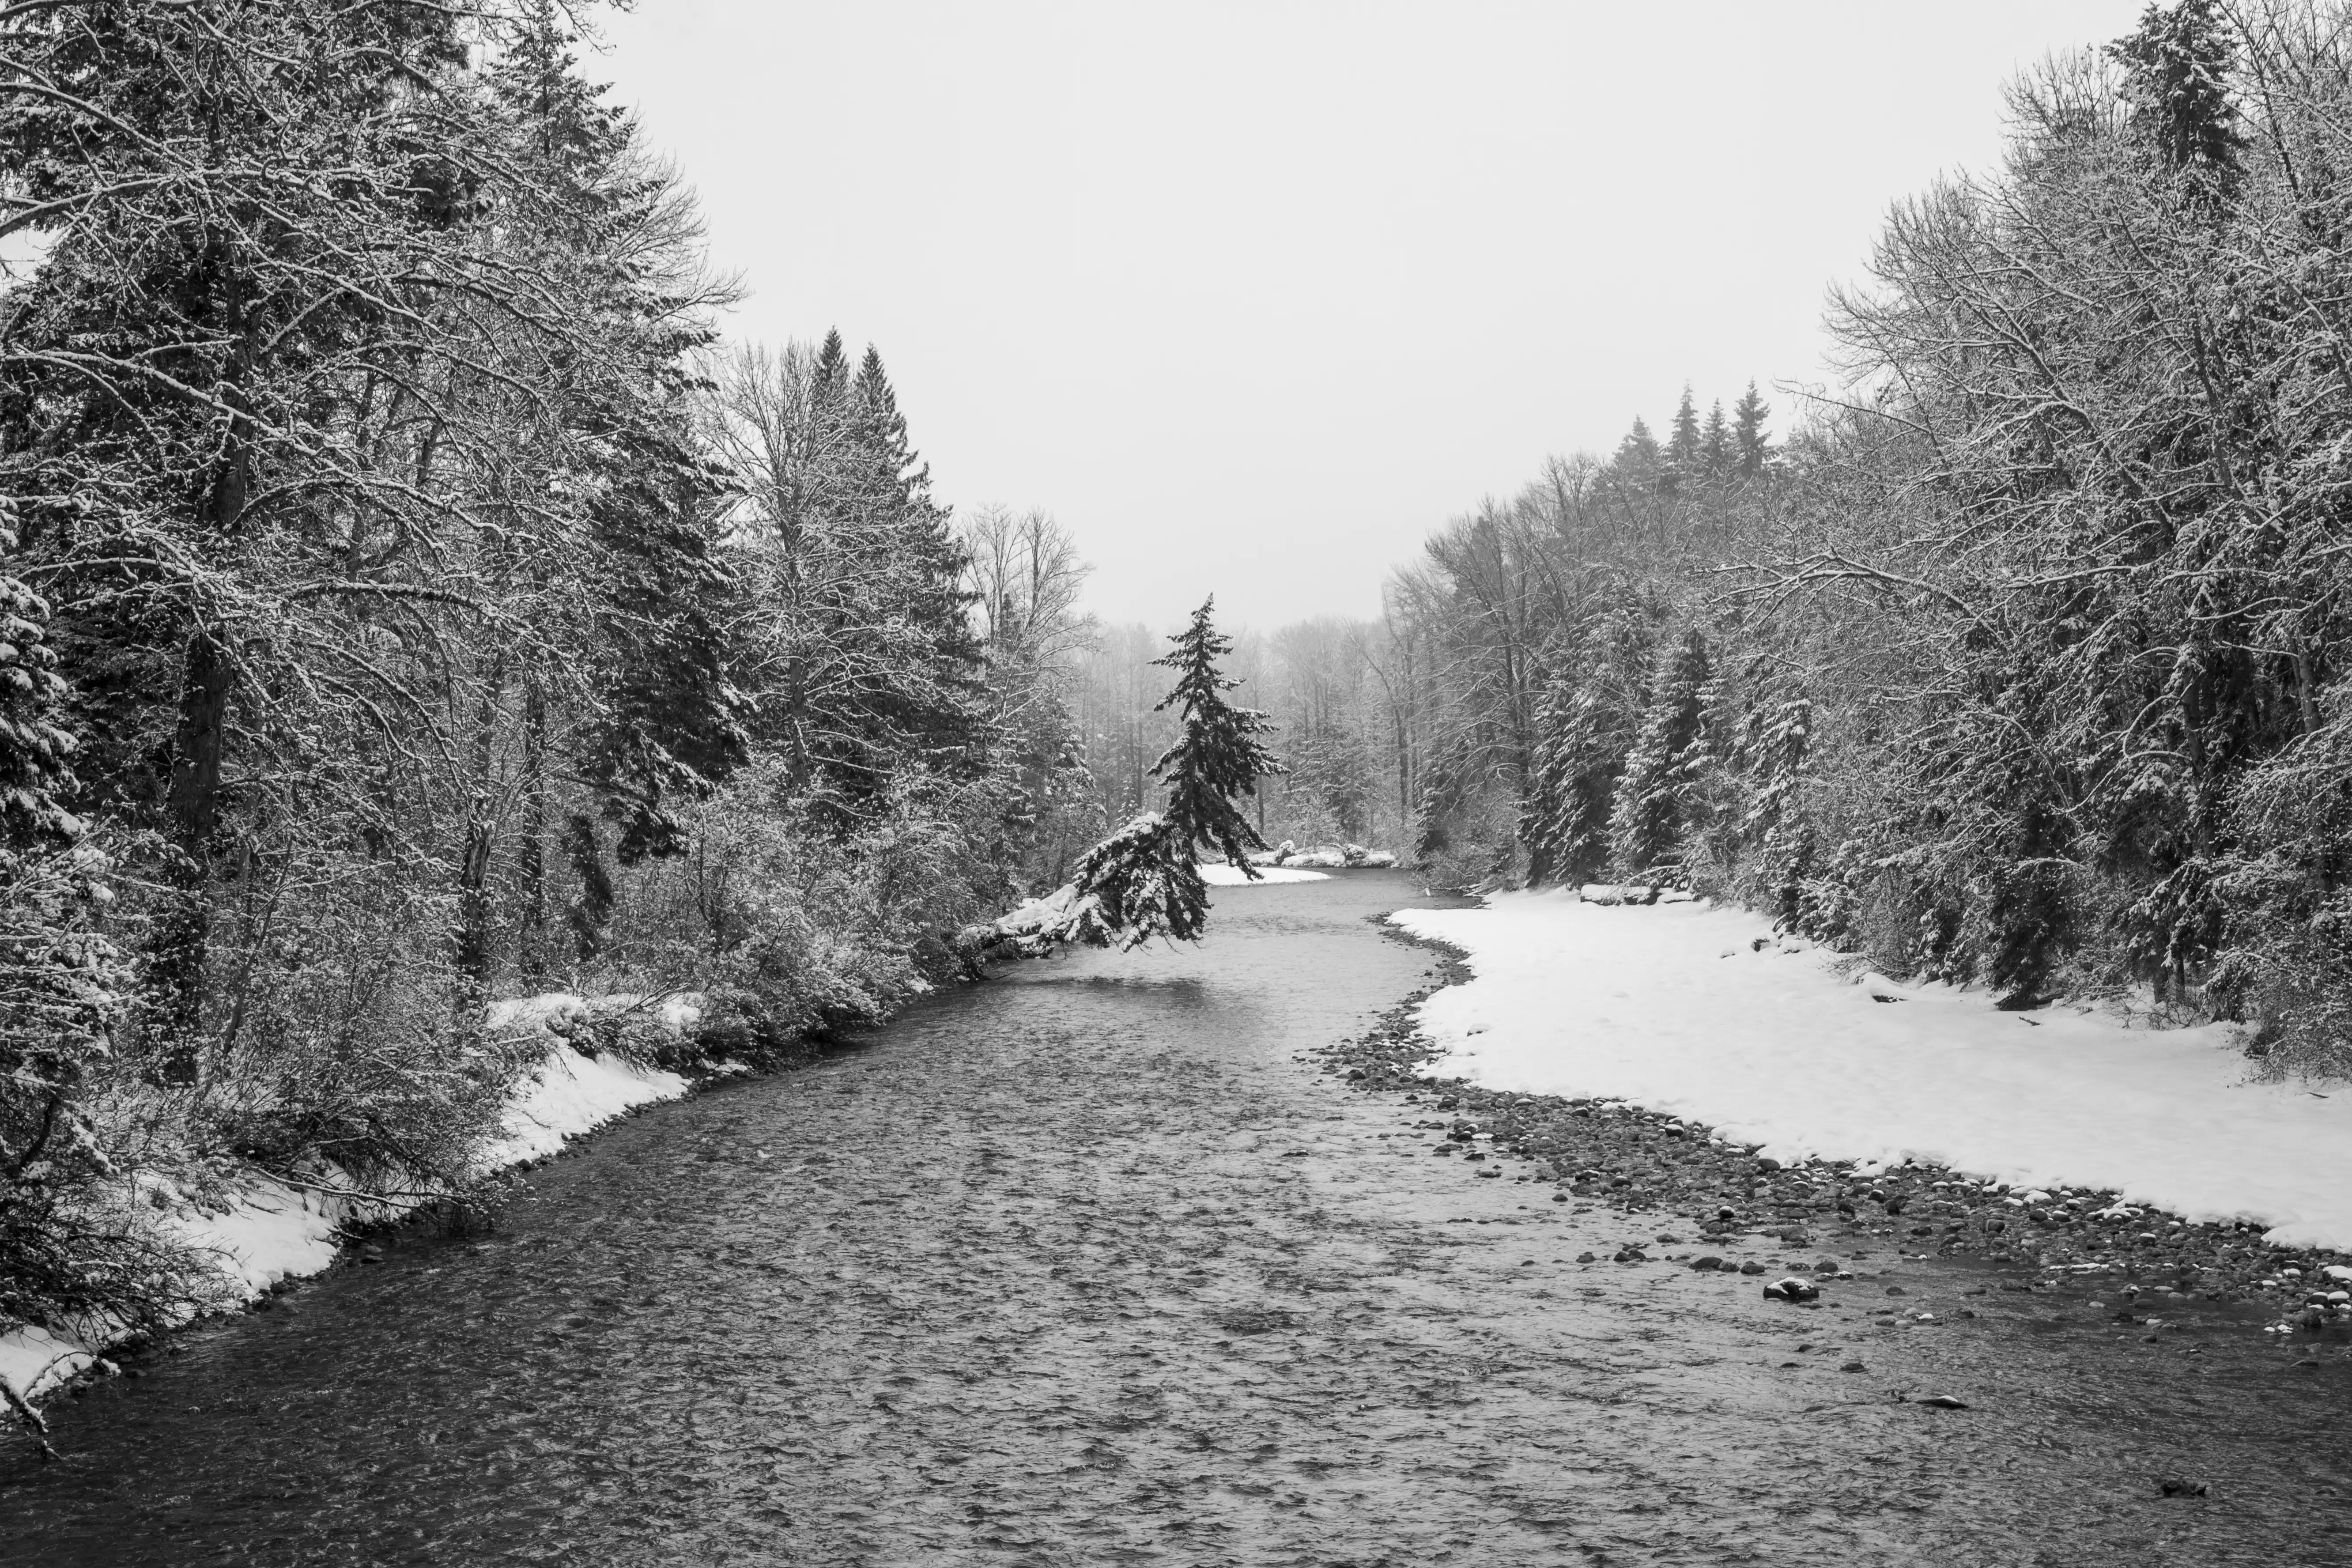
(1084, 1266)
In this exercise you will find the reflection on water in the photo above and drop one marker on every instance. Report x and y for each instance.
(1082, 1267)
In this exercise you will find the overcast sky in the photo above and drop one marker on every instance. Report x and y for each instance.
(1253, 295)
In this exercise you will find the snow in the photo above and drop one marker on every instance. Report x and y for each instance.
(1219, 875)
(273, 1231)
(1034, 916)
(1676, 1008)
(569, 1094)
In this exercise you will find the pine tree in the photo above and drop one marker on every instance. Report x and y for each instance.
(1715, 445)
(1217, 756)
(61, 989)
(2178, 63)
(1588, 723)
(1638, 457)
(1682, 464)
(1139, 883)
(1143, 880)
(938, 712)
(1653, 815)
(1751, 446)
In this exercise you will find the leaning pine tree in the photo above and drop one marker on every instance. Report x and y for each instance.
(1142, 881)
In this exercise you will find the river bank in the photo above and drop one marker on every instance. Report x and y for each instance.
(1741, 1207)
(272, 1229)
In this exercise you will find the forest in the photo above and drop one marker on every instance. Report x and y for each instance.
(2019, 660)
(413, 600)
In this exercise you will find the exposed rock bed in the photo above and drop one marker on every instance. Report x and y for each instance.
(1825, 1215)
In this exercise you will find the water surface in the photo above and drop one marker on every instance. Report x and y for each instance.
(1084, 1266)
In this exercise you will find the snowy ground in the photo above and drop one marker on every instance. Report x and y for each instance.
(275, 1231)
(1219, 875)
(1703, 1013)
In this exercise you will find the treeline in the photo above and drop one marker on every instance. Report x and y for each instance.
(2024, 659)
(410, 602)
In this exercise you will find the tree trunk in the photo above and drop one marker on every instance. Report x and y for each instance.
(532, 850)
(472, 943)
(177, 950)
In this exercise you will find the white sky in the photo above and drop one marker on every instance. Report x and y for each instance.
(1252, 295)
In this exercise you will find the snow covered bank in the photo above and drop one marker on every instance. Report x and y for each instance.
(1219, 875)
(1703, 1013)
(273, 1231)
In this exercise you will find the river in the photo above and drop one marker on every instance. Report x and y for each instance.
(1086, 1265)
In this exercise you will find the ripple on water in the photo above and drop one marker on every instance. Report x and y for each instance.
(1028, 1277)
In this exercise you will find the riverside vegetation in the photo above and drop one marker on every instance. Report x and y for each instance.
(411, 602)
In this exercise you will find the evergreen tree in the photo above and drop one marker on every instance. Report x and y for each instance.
(2178, 63)
(858, 613)
(1751, 446)
(1139, 883)
(1588, 723)
(1656, 796)
(1682, 464)
(1143, 880)
(1217, 756)
(61, 988)
(1638, 457)
(1715, 445)
(936, 715)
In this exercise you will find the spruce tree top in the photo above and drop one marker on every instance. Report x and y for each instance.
(1218, 755)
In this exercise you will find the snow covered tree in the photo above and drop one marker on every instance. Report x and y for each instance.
(1751, 444)
(2179, 62)
(1656, 799)
(1217, 757)
(1143, 880)
(1681, 466)
(61, 994)
(1589, 721)
(1715, 445)
(1139, 883)
(1638, 458)
(1331, 771)
(860, 654)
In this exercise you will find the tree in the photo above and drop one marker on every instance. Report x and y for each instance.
(2178, 62)
(1143, 880)
(1750, 443)
(1683, 464)
(1652, 817)
(1217, 756)
(859, 649)
(1588, 723)
(1715, 445)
